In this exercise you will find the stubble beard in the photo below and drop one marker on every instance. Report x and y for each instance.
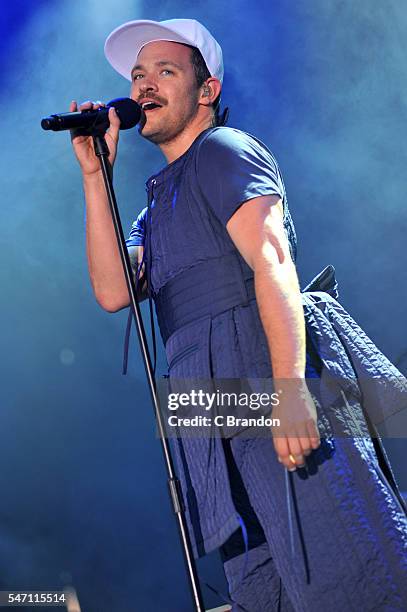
(172, 130)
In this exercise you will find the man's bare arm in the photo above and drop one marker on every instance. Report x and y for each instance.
(257, 231)
(104, 262)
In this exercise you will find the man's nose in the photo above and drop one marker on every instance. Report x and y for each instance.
(148, 84)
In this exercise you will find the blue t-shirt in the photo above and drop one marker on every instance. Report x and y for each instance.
(192, 199)
(195, 196)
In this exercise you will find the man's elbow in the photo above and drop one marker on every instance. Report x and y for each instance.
(112, 303)
(271, 254)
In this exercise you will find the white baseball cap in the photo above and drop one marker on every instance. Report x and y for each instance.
(123, 45)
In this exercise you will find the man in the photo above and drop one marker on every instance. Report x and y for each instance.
(218, 246)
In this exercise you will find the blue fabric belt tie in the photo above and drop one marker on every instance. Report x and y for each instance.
(209, 288)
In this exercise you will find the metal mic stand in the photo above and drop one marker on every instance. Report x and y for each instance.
(102, 152)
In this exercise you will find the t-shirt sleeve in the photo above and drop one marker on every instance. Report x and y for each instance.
(233, 167)
(136, 236)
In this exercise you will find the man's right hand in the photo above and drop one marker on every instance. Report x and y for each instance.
(297, 434)
(83, 145)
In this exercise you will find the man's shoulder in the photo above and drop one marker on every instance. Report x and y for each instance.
(229, 137)
(229, 141)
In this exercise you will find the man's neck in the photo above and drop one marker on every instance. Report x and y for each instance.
(179, 145)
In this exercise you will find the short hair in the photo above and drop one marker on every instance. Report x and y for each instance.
(201, 75)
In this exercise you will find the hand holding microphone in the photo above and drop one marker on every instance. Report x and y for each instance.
(83, 144)
(121, 113)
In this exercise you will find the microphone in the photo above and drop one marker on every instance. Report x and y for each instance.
(129, 114)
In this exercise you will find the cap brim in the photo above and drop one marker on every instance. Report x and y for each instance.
(123, 45)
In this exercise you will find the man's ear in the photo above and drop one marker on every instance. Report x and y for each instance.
(210, 90)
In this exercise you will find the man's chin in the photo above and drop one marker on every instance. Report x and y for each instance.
(152, 133)
(152, 136)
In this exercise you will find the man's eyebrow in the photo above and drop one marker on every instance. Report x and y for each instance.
(159, 63)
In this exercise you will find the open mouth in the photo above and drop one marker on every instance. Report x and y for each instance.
(150, 106)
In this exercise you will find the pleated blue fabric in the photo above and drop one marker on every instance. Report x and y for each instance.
(335, 533)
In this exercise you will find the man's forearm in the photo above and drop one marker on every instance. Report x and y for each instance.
(104, 262)
(281, 312)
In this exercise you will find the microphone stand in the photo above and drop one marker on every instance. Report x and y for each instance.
(102, 152)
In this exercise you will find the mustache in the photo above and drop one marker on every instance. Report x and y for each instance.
(152, 98)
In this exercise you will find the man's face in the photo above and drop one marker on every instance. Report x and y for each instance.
(164, 74)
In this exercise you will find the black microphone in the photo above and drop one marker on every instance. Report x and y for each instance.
(129, 114)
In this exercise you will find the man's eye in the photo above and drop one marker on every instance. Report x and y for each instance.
(166, 70)
(136, 77)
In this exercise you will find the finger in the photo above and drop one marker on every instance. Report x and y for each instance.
(86, 105)
(73, 107)
(294, 445)
(282, 450)
(304, 439)
(291, 465)
(296, 453)
(313, 434)
(289, 462)
(281, 446)
(114, 123)
(288, 448)
(299, 461)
